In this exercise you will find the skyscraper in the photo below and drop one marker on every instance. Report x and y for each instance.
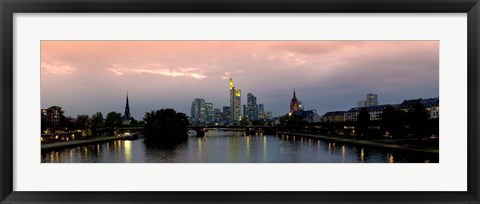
(198, 113)
(372, 99)
(126, 116)
(217, 115)
(362, 103)
(208, 112)
(245, 110)
(252, 107)
(261, 112)
(226, 113)
(235, 102)
(294, 104)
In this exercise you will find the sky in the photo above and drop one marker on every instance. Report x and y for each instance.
(84, 77)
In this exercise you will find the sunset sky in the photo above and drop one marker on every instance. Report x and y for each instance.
(85, 77)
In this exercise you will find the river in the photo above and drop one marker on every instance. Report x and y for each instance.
(230, 147)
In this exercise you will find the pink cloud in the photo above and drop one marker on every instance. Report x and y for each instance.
(57, 68)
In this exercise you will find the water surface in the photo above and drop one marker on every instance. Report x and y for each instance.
(230, 147)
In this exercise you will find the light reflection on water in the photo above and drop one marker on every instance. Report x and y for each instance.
(229, 147)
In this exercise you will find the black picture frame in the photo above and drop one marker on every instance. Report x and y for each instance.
(10, 7)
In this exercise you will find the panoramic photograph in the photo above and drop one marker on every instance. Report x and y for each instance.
(239, 101)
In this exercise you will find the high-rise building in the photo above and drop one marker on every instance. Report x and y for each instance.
(226, 113)
(294, 104)
(252, 107)
(245, 110)
(127, 116)
(235, 102)
(261, 112)
(198, 111)
(372, 99)
(217, 115)
(362, 103)
(209, 112)
(269, 115)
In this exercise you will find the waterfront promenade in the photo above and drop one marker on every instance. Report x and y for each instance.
(394, 144)
(76, 143)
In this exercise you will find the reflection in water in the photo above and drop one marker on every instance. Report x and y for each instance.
(389, 158)
(362, 155)
(128, 151)
(264, 148)
(230, 147)
(248, 147)
(199, 147)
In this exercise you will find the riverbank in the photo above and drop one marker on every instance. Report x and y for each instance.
(399, 145)
(76, 143)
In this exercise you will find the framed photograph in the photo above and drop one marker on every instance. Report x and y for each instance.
(254, 102)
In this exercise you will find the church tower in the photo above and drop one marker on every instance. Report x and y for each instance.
(126, 116)
(294, 103)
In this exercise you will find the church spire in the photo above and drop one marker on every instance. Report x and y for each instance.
(294, 104)
(127, 109)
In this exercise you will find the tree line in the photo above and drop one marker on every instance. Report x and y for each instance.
(394, 123)
(94, 125)
(165, 126)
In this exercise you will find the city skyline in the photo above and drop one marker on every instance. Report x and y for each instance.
(85, 77)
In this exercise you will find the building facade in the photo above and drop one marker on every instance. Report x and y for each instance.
(198, 111)
(375, 112)
(226, 113)
(209, 113)
(409, 105)
(252, 107)
(261, 112)
(51, 116)
(313, 118)
(333, 117)
(431, 105)
(362, 103)
(217, 115)
(372, 99)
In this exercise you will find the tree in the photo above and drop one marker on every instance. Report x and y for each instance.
(259, 122)
(113, 121)
(97, 126)
(133, 122)
(165, 126)
(292, 122)
(84, 123)
(434, 127)
(44, 124)
(393, 121)
(244, 121)
(418, 121)
(363, 119)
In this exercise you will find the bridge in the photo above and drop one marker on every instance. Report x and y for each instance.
(129, 128)
(135, 130)
(201, 129)
(248, 129)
